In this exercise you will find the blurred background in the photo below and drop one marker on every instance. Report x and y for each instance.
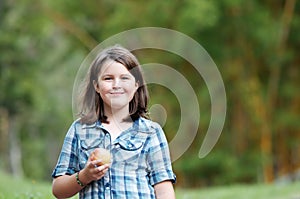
(255, 45)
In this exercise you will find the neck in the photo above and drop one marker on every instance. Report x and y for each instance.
(117, 123)
(117, 115)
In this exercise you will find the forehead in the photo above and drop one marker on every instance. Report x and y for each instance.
(113, 67)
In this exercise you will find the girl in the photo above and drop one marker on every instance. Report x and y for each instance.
(113, 117)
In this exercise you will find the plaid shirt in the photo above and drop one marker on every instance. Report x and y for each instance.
(140, 159)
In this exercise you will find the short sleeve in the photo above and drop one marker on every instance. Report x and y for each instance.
(159, 161)
(68, 159)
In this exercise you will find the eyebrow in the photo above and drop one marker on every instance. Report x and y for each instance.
(123, 74)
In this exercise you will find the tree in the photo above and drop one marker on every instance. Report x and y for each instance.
(253, 43)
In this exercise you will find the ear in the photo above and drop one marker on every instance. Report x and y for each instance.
(96, 86)
(137, 85)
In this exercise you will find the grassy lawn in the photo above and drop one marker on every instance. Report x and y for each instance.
(22, 189)
(11, 188)
(290, 191)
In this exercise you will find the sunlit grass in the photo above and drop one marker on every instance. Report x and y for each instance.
(288, 191)
(14, 188)
(11, 188)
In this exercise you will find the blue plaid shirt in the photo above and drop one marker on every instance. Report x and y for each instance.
(140, 159)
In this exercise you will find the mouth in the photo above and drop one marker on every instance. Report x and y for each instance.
(116, 93)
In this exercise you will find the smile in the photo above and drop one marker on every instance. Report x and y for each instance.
(116, 93)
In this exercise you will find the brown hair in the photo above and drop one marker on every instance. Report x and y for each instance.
(92, 108)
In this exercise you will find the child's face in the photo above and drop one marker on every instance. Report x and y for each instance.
(116, 86)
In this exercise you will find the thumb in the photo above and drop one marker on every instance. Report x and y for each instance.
(92, 157)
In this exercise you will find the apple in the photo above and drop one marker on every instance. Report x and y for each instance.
(101, 154)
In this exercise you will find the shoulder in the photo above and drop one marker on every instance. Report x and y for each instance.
(78, 124)
(147, 125)
(77, 128)
(153, 129)
(156, 138)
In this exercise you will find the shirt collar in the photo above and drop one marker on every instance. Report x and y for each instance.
(139, 125)
(96, 124)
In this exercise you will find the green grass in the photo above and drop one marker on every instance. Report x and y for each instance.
(11, 188)
(289, 191)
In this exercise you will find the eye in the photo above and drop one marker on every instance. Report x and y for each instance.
(107, 78)
(125, 77)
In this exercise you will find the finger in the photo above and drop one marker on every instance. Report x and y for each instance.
(101, 168)
(97, 163)
(107, 165)
(91, 157)
(105, 170)
(92, 164)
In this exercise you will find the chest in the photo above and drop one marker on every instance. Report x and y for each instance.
(115, 129)
(128, 149)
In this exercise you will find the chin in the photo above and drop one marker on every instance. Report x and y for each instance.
(118, 106)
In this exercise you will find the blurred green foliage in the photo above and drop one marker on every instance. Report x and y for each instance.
(254, 44)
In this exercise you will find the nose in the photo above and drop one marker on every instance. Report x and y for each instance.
(116, 83)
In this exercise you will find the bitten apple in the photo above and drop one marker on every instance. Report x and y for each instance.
(101, 154)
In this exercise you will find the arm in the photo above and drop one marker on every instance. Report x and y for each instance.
(159, 161)
(164, 190)
(66, 186)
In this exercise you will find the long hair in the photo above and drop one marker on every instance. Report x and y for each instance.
(92, 107)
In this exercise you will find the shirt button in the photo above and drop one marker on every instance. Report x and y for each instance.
(107, 185)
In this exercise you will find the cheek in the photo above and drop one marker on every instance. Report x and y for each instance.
(103, 89)
(131, 86)
(132, 92)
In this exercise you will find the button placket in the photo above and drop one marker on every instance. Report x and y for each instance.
(107, 187)
(106, 178)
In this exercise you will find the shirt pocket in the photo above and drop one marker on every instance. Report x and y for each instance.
(129, 153)
(87, 146)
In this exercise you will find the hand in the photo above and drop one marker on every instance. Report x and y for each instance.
(92, 172)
